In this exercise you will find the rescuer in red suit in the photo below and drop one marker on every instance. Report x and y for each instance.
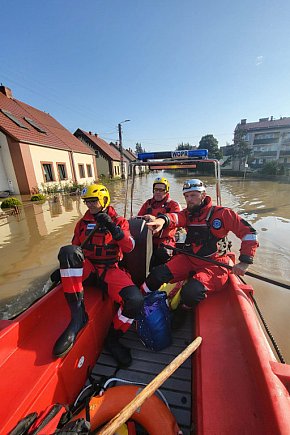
(160, 203)
(97, 263)
(207, 227)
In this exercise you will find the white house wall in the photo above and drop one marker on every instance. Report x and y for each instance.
(84, 159)
(42, 154)
(8, 179)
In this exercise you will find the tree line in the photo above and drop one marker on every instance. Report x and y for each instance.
(208, 142)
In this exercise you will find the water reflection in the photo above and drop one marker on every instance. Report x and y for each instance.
(30, 241)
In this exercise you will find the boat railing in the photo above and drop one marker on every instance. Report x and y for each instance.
(167, 164)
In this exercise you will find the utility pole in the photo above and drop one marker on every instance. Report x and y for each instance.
(121, 149)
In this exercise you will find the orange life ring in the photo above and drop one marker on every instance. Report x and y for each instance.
(153, 415)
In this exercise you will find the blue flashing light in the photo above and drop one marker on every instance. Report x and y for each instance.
(178, 154)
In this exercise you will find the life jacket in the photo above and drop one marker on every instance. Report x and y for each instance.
(159, 207)
(201, 239)
(101, 248)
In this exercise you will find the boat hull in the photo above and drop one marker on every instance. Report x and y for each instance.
(31, 379)
(237, 380)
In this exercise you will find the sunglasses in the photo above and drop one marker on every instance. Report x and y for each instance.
(189, 185)
(156, 189)
(91, 201)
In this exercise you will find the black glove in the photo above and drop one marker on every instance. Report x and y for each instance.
(105, 220)
(77, 427)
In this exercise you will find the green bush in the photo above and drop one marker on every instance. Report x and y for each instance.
(38, 197)
(10, 202)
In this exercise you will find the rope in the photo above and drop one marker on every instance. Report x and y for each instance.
(270, 335)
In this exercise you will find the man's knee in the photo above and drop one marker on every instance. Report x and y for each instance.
(192, 292)
(158, 276)
(70, 256)
(133, 301)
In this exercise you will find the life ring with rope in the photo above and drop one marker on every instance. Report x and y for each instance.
(153, 415)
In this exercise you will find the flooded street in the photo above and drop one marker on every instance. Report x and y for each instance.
(29, 242)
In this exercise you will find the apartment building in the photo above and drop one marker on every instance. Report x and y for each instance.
(268, 139)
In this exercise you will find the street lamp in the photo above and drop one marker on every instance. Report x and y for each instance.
(121, 148)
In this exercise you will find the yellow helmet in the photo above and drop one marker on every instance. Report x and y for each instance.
(162, 180)
(98, 191)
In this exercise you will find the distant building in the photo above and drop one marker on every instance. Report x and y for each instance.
(37, 152)
(108, 159)
(129, 157)
(268, 139)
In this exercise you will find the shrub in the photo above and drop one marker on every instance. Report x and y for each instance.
(10, 202)
(38, 197)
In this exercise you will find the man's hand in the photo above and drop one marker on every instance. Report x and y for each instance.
(149, 217)
(105, 220)
(240, 269)
(156, 225)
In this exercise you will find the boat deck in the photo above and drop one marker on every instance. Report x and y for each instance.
(147, 364)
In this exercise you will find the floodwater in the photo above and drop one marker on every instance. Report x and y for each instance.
(29, 242)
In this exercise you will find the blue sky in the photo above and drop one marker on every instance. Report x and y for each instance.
(178, 69)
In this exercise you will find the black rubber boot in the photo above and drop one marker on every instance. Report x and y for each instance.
(79, 318)
(120, 353)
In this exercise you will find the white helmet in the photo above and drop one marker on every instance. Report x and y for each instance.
(192, 185)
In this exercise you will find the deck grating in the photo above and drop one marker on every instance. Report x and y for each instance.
(148, 364)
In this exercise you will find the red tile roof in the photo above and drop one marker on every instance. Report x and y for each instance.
(101, 144)
(275, 123)
(56, 135)
(131, 154)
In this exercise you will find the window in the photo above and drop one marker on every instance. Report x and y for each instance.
(48, 172)
(82, 171)
(13, 118)
(34, 124)
(266, 135)
(89, 171)
(61, 171)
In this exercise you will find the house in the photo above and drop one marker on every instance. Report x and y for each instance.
(268, 139)
(129, 157)
(36, 151)
(108, 158)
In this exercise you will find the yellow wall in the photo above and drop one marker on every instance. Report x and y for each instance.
(42, 154)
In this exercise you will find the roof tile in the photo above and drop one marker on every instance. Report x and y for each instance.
(56, 135)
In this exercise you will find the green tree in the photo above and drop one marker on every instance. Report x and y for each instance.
(185, 146)
(241, 148)
(210, 143)
(139, 149)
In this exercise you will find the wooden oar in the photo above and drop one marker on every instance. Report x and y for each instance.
(129, 409)
(227, 266)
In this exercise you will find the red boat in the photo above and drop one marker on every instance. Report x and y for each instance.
(232, 384)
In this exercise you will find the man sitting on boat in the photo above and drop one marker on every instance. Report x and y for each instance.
(95, 262)
(160, 203)
(207, 227)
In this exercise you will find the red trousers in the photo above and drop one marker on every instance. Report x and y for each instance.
(213, 277)
(115, 279)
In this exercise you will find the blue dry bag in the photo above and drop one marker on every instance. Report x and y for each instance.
(154, 322)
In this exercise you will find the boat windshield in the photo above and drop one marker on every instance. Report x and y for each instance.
(167, 161)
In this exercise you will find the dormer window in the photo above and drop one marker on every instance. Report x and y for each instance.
(34, 124)
(14, 119)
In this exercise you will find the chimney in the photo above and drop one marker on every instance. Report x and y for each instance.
(263, 119)
(243, 121)
(90, 132)
(96, 134)
(6, 91)
(272, 117)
